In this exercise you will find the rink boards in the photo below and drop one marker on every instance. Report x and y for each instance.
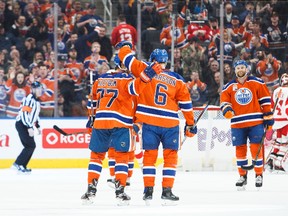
(210, 149)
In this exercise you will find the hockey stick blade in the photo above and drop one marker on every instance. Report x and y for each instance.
(67, 134)
(59, 130)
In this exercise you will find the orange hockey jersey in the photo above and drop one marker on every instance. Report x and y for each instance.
(16, 95)
(114, 100)
(248, 100)
(167, 92)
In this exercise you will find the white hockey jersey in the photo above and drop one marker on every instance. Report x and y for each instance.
(281, 111)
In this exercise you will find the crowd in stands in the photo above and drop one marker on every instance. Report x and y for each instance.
(255, 31)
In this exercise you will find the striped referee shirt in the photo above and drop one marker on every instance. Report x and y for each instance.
(29, 111)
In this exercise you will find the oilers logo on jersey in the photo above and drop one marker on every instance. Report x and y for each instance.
(243, 96)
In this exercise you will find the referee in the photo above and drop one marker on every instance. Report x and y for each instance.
(28, 117)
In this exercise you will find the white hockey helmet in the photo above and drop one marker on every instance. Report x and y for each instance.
(283, 80)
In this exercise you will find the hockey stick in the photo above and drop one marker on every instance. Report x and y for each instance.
(201, 114)
(262, 140)
(55, 127)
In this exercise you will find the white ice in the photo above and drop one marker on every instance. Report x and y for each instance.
(58, 192)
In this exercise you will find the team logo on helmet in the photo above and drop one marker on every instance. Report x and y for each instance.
(160, 55)
(243, 96)
(240, 62)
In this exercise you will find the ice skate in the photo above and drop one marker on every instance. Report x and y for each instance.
(128, 182)
(89, 197)
(122, 198)
(148, 195)
(241, 183)
(258, 181)
(279, 170)
(21, 169)
(269, 165)
(168, 197)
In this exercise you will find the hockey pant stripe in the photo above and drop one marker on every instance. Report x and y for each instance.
(95, 165)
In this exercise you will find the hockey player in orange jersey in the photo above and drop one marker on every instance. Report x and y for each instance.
(247, 102)
(157, 109)
(112, 102)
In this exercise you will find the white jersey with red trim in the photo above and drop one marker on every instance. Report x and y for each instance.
(281, 111)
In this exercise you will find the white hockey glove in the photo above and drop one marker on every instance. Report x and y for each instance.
(31, 132)
(39, 131)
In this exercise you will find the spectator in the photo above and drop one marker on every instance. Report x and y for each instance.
(229, 47)
(94, 61)
(214, 90)
(228, 73)
(66, 83)
(3, 94)
(198, 29)
(267, 68)
(47, 99)
(27, 55)
(192, 55)
(37, 30)
(178, 62)
(78, 71)
(105, 43)
(209, 71)
(197, 89)
(277, 37)
(90, 20)
(228, 15)
(17, 89)
(123, 31)
(166, 33)
(6, 39)
(249, 11)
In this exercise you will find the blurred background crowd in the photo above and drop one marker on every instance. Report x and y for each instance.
(255, 31)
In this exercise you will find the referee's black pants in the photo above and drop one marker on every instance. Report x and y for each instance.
(28, 143)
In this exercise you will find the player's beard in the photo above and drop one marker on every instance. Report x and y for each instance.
(240, 73)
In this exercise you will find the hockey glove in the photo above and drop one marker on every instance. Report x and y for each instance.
(123, 43)
(31, 132)
(37, 127)
(190, 130)
(150, 72)
(269, 134)
(90, 122)
(268, 120)
(228, 112)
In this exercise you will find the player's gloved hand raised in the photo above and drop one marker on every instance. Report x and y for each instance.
(268, 120)
(31, 132)
(228, 112)
(190, 130)
(123, 43)
(150, 71)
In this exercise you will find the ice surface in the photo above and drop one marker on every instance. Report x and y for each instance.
(58, 192)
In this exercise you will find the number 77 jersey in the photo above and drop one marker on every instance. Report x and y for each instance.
(159, 103)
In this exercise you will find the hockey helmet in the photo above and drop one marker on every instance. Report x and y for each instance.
(37, 89)
(283, 80)
(240, 62)
(160, 55)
